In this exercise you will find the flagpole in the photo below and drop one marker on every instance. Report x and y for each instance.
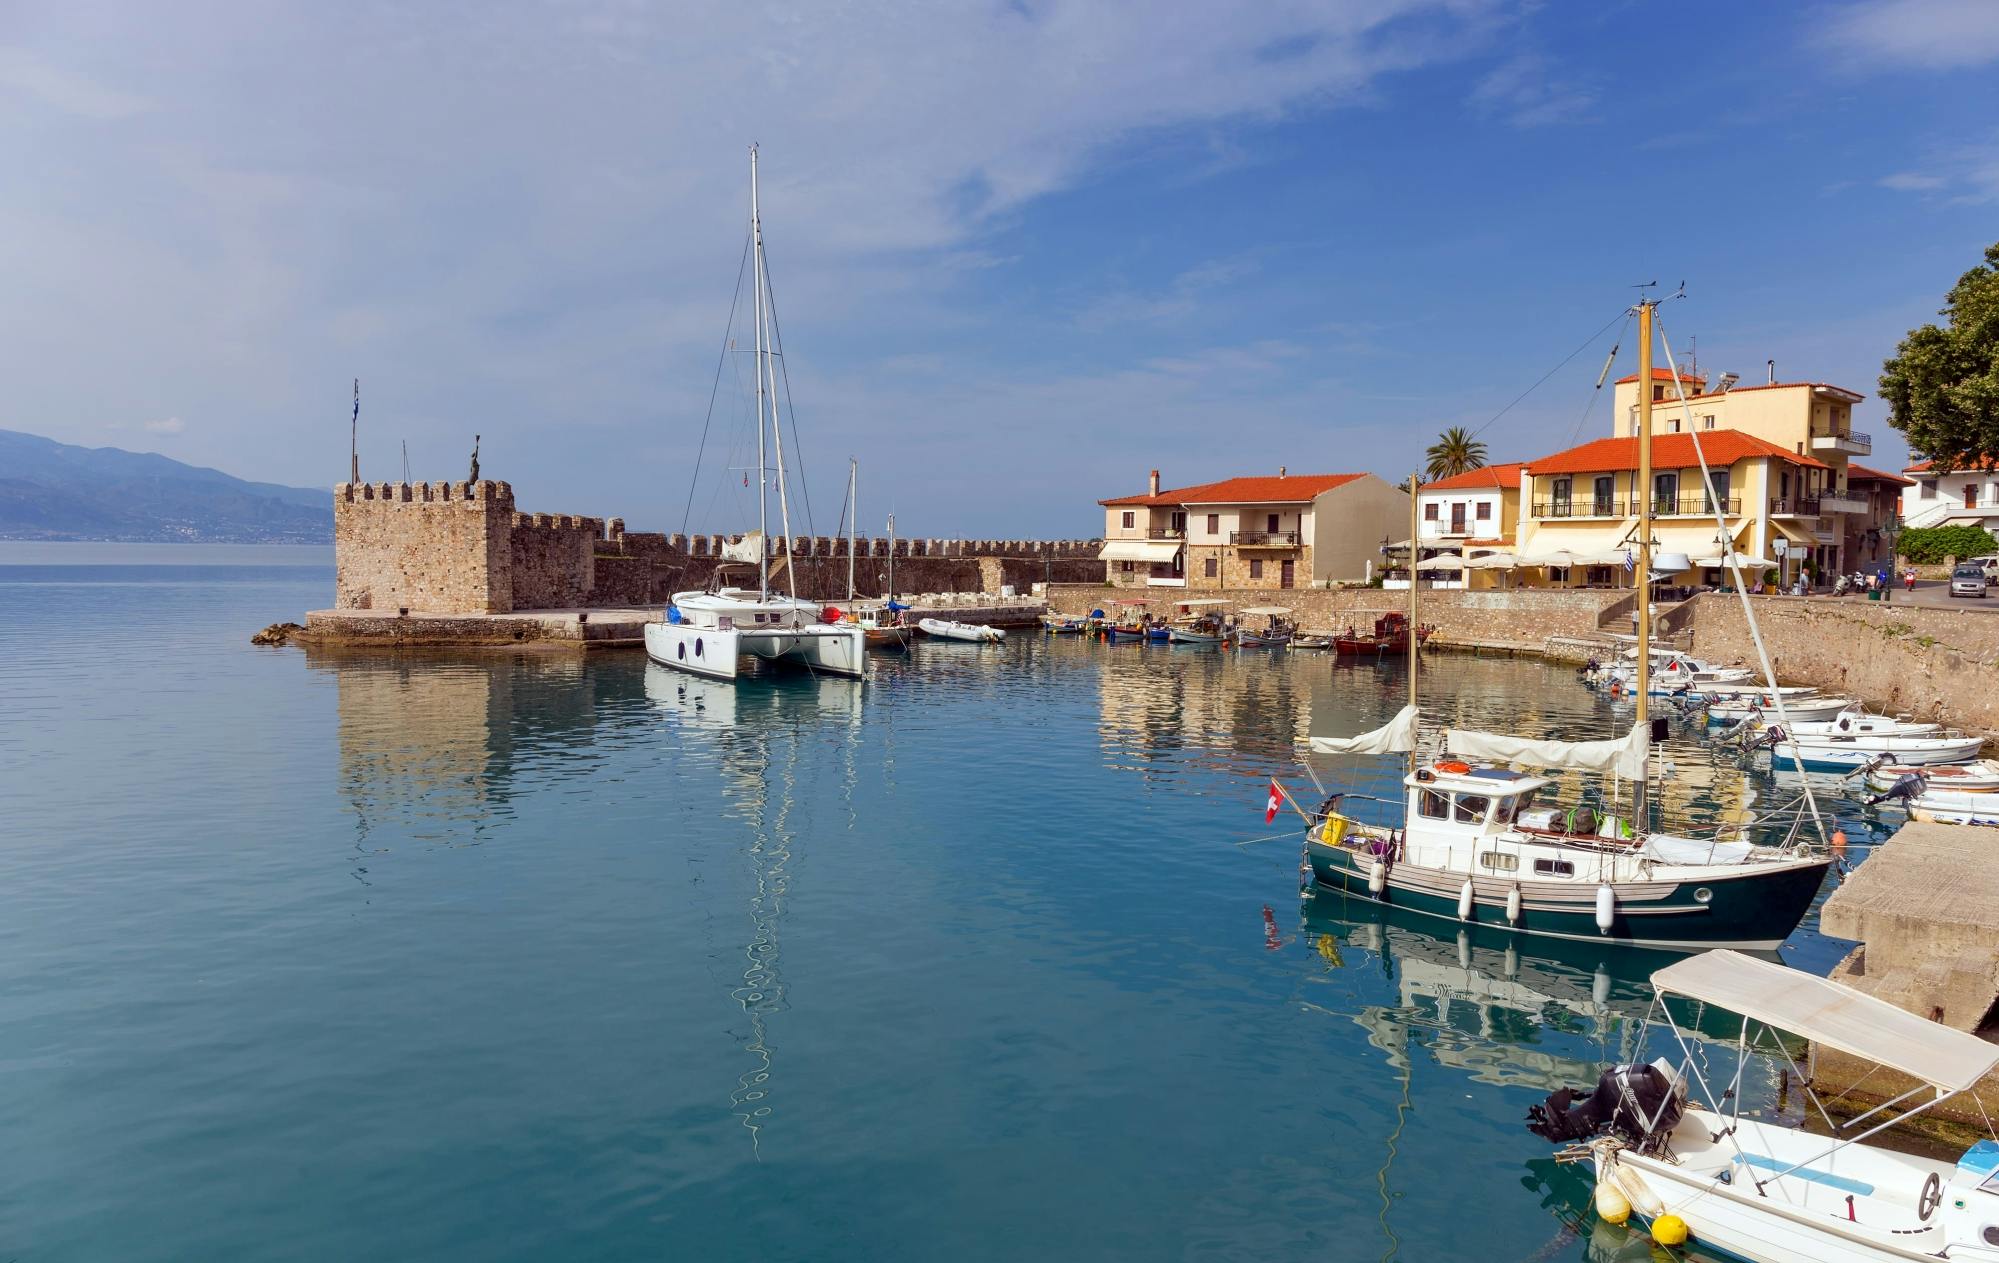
(354, 438)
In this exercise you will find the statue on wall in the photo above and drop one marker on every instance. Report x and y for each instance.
(475, 458)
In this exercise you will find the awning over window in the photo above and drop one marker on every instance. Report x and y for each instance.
(1139, 550)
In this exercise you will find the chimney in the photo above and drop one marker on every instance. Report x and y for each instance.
(1280, 471)
(1154, 484)
(1772, 365)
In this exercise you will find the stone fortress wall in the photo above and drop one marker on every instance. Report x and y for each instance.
(463, 548)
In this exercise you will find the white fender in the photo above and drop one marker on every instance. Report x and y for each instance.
(1513, 906)
(1465, 901)
(1606, 907)
(1636, 1190)
(1377, 876)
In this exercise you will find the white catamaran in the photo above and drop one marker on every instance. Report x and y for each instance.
(1479, 844)
(711, 632)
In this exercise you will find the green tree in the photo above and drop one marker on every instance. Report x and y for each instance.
(1455, 452)
(1942, 387)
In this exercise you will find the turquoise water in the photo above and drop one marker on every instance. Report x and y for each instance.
(516, 956)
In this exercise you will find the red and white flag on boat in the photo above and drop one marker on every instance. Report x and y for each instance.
(1270, 807)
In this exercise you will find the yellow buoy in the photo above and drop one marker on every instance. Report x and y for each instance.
(1611, 1204)
(1669, 1230)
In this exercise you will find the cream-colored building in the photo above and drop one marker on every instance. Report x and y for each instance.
(1584, 501)
(1287, 531)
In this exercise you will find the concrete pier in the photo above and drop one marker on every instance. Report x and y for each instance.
(1925, 908)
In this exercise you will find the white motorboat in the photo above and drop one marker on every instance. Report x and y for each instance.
(1954, 807)
(946, 629)
(1841, 752)
(1853, 721)
(1768, 1192)
(1980, 776)
(711, 632)
(1798, 709)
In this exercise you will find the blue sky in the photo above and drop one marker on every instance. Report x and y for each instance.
(1024, 252)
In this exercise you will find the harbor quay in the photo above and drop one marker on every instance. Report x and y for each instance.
(1924, 910)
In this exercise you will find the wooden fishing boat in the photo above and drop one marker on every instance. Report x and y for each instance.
(1389, 637)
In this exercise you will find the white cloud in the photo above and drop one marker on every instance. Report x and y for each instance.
(1967, 175)
(524, 219)
(1912, 182)
(1524, 92)
(1922, 34)
(171, 425)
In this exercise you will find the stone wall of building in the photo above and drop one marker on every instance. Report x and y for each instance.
(1941, 664)
(554, 560)
(1524, 618)
(424, 546)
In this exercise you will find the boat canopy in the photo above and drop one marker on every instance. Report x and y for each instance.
(1139, 550)
(1829, 1013)
(1397, 736)
(1272, 610)
(1625, 756)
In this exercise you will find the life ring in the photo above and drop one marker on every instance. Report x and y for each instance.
(1453, 765)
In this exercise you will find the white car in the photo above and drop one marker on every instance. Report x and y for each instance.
(1990, 565)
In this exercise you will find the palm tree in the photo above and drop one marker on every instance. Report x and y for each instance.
(1455, 452)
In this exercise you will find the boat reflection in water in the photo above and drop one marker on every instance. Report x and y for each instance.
(1511, 1012)
(755, 728)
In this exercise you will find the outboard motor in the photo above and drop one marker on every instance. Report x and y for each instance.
(1906, 788)
(1638, 1103)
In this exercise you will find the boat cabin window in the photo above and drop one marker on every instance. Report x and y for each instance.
(1498, 861)
(1554, 868)
(1511, 807)
(1471, 808)
(1432, 804)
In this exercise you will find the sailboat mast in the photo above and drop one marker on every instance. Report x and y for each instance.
(1414, 637)
(763, 510)
(853, 513)
(891, 556)
(1644, 490)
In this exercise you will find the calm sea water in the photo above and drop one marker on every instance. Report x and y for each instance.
(525, 956)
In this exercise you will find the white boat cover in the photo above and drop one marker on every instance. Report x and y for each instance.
(1138, 550)
(1671, 850)
(1838, 1016)
(1625, 756)
(749, 548)
(1397, 736)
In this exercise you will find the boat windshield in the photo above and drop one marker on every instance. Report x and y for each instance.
(1514, 804)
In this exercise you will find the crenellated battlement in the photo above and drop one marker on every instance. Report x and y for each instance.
(463, 547)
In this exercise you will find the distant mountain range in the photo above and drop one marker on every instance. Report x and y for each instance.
(51, 490)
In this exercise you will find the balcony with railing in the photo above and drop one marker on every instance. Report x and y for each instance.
(1264, 539)
(1842, 502)
(1852, 442)
(1695, 505)
(1166, 532)
(1794, 506)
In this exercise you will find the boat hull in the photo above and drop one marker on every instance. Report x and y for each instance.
(1178, 637)
(1757, 911)
(718, 654)
(1836, 754)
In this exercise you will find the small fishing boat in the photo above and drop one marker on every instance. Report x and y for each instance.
(1274, 635)
(1389, 637)
(1696, 1165)
(1856, 722)
(1948, 807)
(1978, 777)
(1063, 625)
(946, 629)
(1315, 640)
(1206, 630)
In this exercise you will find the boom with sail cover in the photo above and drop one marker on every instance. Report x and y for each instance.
(1625, 756)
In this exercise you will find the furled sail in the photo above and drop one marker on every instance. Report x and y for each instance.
(1626, 756)
(749, 548)
(1396, 736)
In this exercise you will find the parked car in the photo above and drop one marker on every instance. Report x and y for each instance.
(1968, 579)
(1990, 565)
